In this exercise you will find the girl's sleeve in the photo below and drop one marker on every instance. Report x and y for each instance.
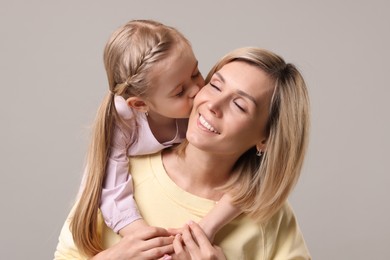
(117, 203)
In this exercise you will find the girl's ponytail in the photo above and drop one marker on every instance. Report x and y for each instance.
(84, 222)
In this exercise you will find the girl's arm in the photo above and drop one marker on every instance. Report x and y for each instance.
(148, 243)
(117, 204)
(219, 216)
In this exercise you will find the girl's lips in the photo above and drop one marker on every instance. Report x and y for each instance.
(207, 125)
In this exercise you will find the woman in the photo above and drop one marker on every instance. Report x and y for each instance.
(247, 134)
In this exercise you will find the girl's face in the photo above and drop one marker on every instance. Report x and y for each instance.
(175, 83)
(230, 113)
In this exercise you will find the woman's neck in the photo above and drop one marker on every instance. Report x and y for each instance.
(198, 172)
(164, 129)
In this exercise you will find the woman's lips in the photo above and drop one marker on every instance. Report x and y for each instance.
(207, 125)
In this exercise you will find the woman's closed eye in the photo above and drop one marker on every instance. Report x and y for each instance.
(239, 104)
(214, 86)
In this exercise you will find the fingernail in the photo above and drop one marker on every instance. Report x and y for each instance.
(167, 257)
(190, 222)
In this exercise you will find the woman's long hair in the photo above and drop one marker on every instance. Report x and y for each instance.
(263, 184)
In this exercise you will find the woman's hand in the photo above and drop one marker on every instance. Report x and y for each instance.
(148, 243)
(194, 244)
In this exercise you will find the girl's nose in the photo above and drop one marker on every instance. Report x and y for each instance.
(194, 89)
(196, 85)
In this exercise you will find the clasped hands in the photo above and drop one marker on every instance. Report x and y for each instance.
(141, 241)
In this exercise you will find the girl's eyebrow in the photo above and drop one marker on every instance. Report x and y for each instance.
(238, 91)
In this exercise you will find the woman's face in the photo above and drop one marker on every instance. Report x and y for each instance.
(230, 113)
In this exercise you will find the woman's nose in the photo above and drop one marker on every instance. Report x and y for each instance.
(215, 108)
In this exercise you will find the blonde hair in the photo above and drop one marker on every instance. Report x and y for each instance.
(262, 184)
(129, 56)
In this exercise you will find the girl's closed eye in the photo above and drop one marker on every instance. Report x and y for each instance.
(179, 93)
(196, 74)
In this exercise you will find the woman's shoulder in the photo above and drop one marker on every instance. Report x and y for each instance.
(143, 166)
(142, 160)
(285, 213)
(284, 237)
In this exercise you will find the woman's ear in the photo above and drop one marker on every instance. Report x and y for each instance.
(138, 104)
(262, 146)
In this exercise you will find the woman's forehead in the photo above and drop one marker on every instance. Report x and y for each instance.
(246, 77)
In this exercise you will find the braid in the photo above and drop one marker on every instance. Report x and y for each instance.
(144, 43)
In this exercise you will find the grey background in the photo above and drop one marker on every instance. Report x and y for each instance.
(52, 80)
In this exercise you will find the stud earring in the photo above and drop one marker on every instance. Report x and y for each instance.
(259, 153)
(146, 113)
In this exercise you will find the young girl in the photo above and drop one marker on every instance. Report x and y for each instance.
(153, 77)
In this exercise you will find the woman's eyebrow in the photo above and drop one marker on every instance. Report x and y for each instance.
(238, 91)
(220, 76)
(242, 93)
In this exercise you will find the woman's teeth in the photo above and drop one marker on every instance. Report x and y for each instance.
(207, 125)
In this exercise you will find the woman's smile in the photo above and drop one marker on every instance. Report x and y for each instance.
(207, 125)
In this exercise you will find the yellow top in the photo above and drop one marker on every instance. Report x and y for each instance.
(162, 203)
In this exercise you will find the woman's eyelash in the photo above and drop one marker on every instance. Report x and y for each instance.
(235, 103)
(239, 107)
(214, 86)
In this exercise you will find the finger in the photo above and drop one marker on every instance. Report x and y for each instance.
(188, 240)
(199, 235)
(157, 242)
(159, 252)
(174, 231)
(180, 251)
(177, 245)
(151, 232)
(166, 257)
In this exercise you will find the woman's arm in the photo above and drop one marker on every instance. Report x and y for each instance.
(223, 213)
(193, 244)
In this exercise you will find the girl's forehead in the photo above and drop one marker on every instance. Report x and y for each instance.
(175, 60)
(174, 70)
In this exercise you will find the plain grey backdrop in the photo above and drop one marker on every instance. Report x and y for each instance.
(52, 81)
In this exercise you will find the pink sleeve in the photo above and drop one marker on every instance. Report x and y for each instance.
(117, 204)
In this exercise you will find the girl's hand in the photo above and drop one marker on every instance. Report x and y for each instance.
(148, 243)
(194, 244)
